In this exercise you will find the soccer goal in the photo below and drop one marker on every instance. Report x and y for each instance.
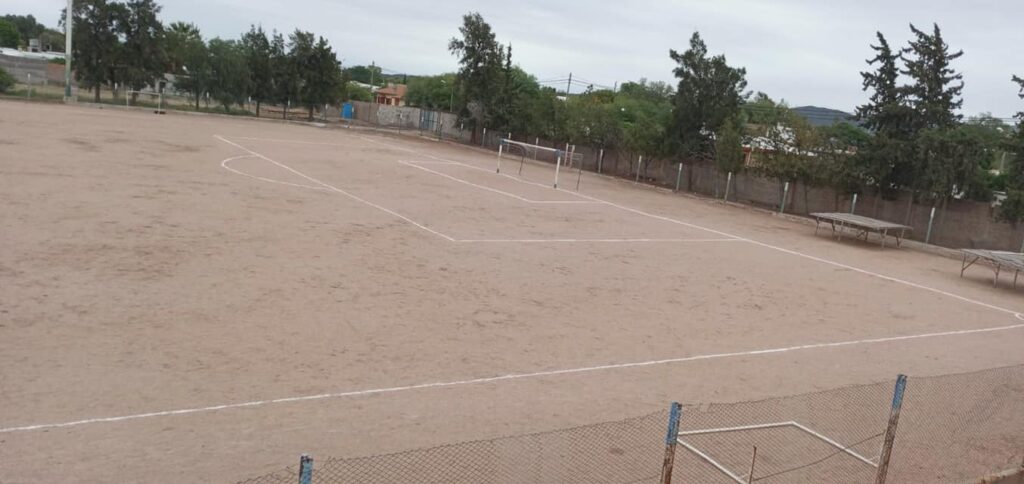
(145, 98)
(567, 157)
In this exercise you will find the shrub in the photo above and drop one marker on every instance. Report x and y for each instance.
(6, 81)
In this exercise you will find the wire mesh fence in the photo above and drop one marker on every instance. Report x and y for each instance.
(954, 429)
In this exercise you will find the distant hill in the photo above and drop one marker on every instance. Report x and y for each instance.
(823, 116)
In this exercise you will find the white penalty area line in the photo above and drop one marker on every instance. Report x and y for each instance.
(511, 376)
(726, 234)
(415, 164)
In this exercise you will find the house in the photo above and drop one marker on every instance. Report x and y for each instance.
(392, 95)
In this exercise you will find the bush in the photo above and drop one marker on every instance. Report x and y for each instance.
(6, 81)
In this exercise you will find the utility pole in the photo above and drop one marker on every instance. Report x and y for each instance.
(68, 20)
(568, 86)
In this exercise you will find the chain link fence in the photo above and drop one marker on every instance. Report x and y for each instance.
(952, 429)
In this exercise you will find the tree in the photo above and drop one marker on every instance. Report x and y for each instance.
(366, 75)
(935, 91)
(285, 74)
(644, 120)
(480, 73)
(9, 36)
(432, 92)
(229, 72)
(322, 83)
(886, 160)
(142, 56)
(95, 43)
(27, 28)
(258, 56)
(6, 81)
(709, 93)
(188, 59)
(729, 154)
(1012, 209)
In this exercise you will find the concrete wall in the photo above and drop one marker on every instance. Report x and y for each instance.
(20, 68)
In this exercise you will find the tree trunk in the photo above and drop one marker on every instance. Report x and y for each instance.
(97, 94)
(257, 108)
(284, 113)
(310, 112)
(197, 101)
(910, 209)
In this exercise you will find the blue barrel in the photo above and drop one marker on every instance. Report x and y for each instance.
(347, 110)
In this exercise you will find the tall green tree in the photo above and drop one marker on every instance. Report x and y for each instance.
(432, 92)
(95, 43)
(1012, 209)
(258, 56)
(886, 161)
(27, 27)
(935, 90)
(9, 35)
(480, 75)
(188, 59)
(709, 92)
(229, 72)
(320, 73)
(142, 58)
(285, 73)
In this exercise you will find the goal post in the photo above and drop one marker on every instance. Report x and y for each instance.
(525, 150)
(148, 97)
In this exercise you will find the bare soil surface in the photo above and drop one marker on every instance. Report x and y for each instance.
(151, 263)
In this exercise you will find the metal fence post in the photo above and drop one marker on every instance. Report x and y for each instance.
(305, 469)
(890, 431)
(671, 438)
(483, 138)
(679, 176)
(501, 145)
(639, 163)
(785, 195)
(728, 185)
(928, 234)
(558, 164)
(853, 204)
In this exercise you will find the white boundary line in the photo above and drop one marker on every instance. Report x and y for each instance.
(333, 188)
(611, 241)
(799, 426)
(224, 164)
(494, 190)
(511, 376)
(726, 234)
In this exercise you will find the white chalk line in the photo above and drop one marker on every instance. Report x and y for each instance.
(598, 240)
(336, 189)
(224, 164)
(493, 190)
(755, 242)
(511, 376)
(325, 186)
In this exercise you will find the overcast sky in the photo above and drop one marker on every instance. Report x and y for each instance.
(808, 52)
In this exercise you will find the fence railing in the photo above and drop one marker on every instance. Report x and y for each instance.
(954, 428)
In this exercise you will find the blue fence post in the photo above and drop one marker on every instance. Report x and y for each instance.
(671, 438)
(890, 431)
(305, 469)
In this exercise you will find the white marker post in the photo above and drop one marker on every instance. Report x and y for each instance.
(679, 176)
(639, 163)
(500, 147)
(853, 204)
(728, 185)
(558, 164)
(600, 160)
(785, 195)
(928, 234)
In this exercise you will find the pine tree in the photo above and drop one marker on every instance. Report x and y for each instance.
(709, 93)
(936, 88)
(1012, 209)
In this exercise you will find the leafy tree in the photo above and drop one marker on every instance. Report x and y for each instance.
(229, 72)
(433, 92)
(762, 113)
(322, 83)
(27, 28)
(6, 81)
(95, 43)
(729, 154)
(952, 158)
(645, 123)
(359, 93)
(9, 36)
(258, 56)
(1012, 209)
(709, 93)
(480, 76)
(366, 75)
(285, 73)
(188, 59)
(936, 88)
(593, 120)
(142, 57)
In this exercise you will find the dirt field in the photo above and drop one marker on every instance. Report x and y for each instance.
(345, 293)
